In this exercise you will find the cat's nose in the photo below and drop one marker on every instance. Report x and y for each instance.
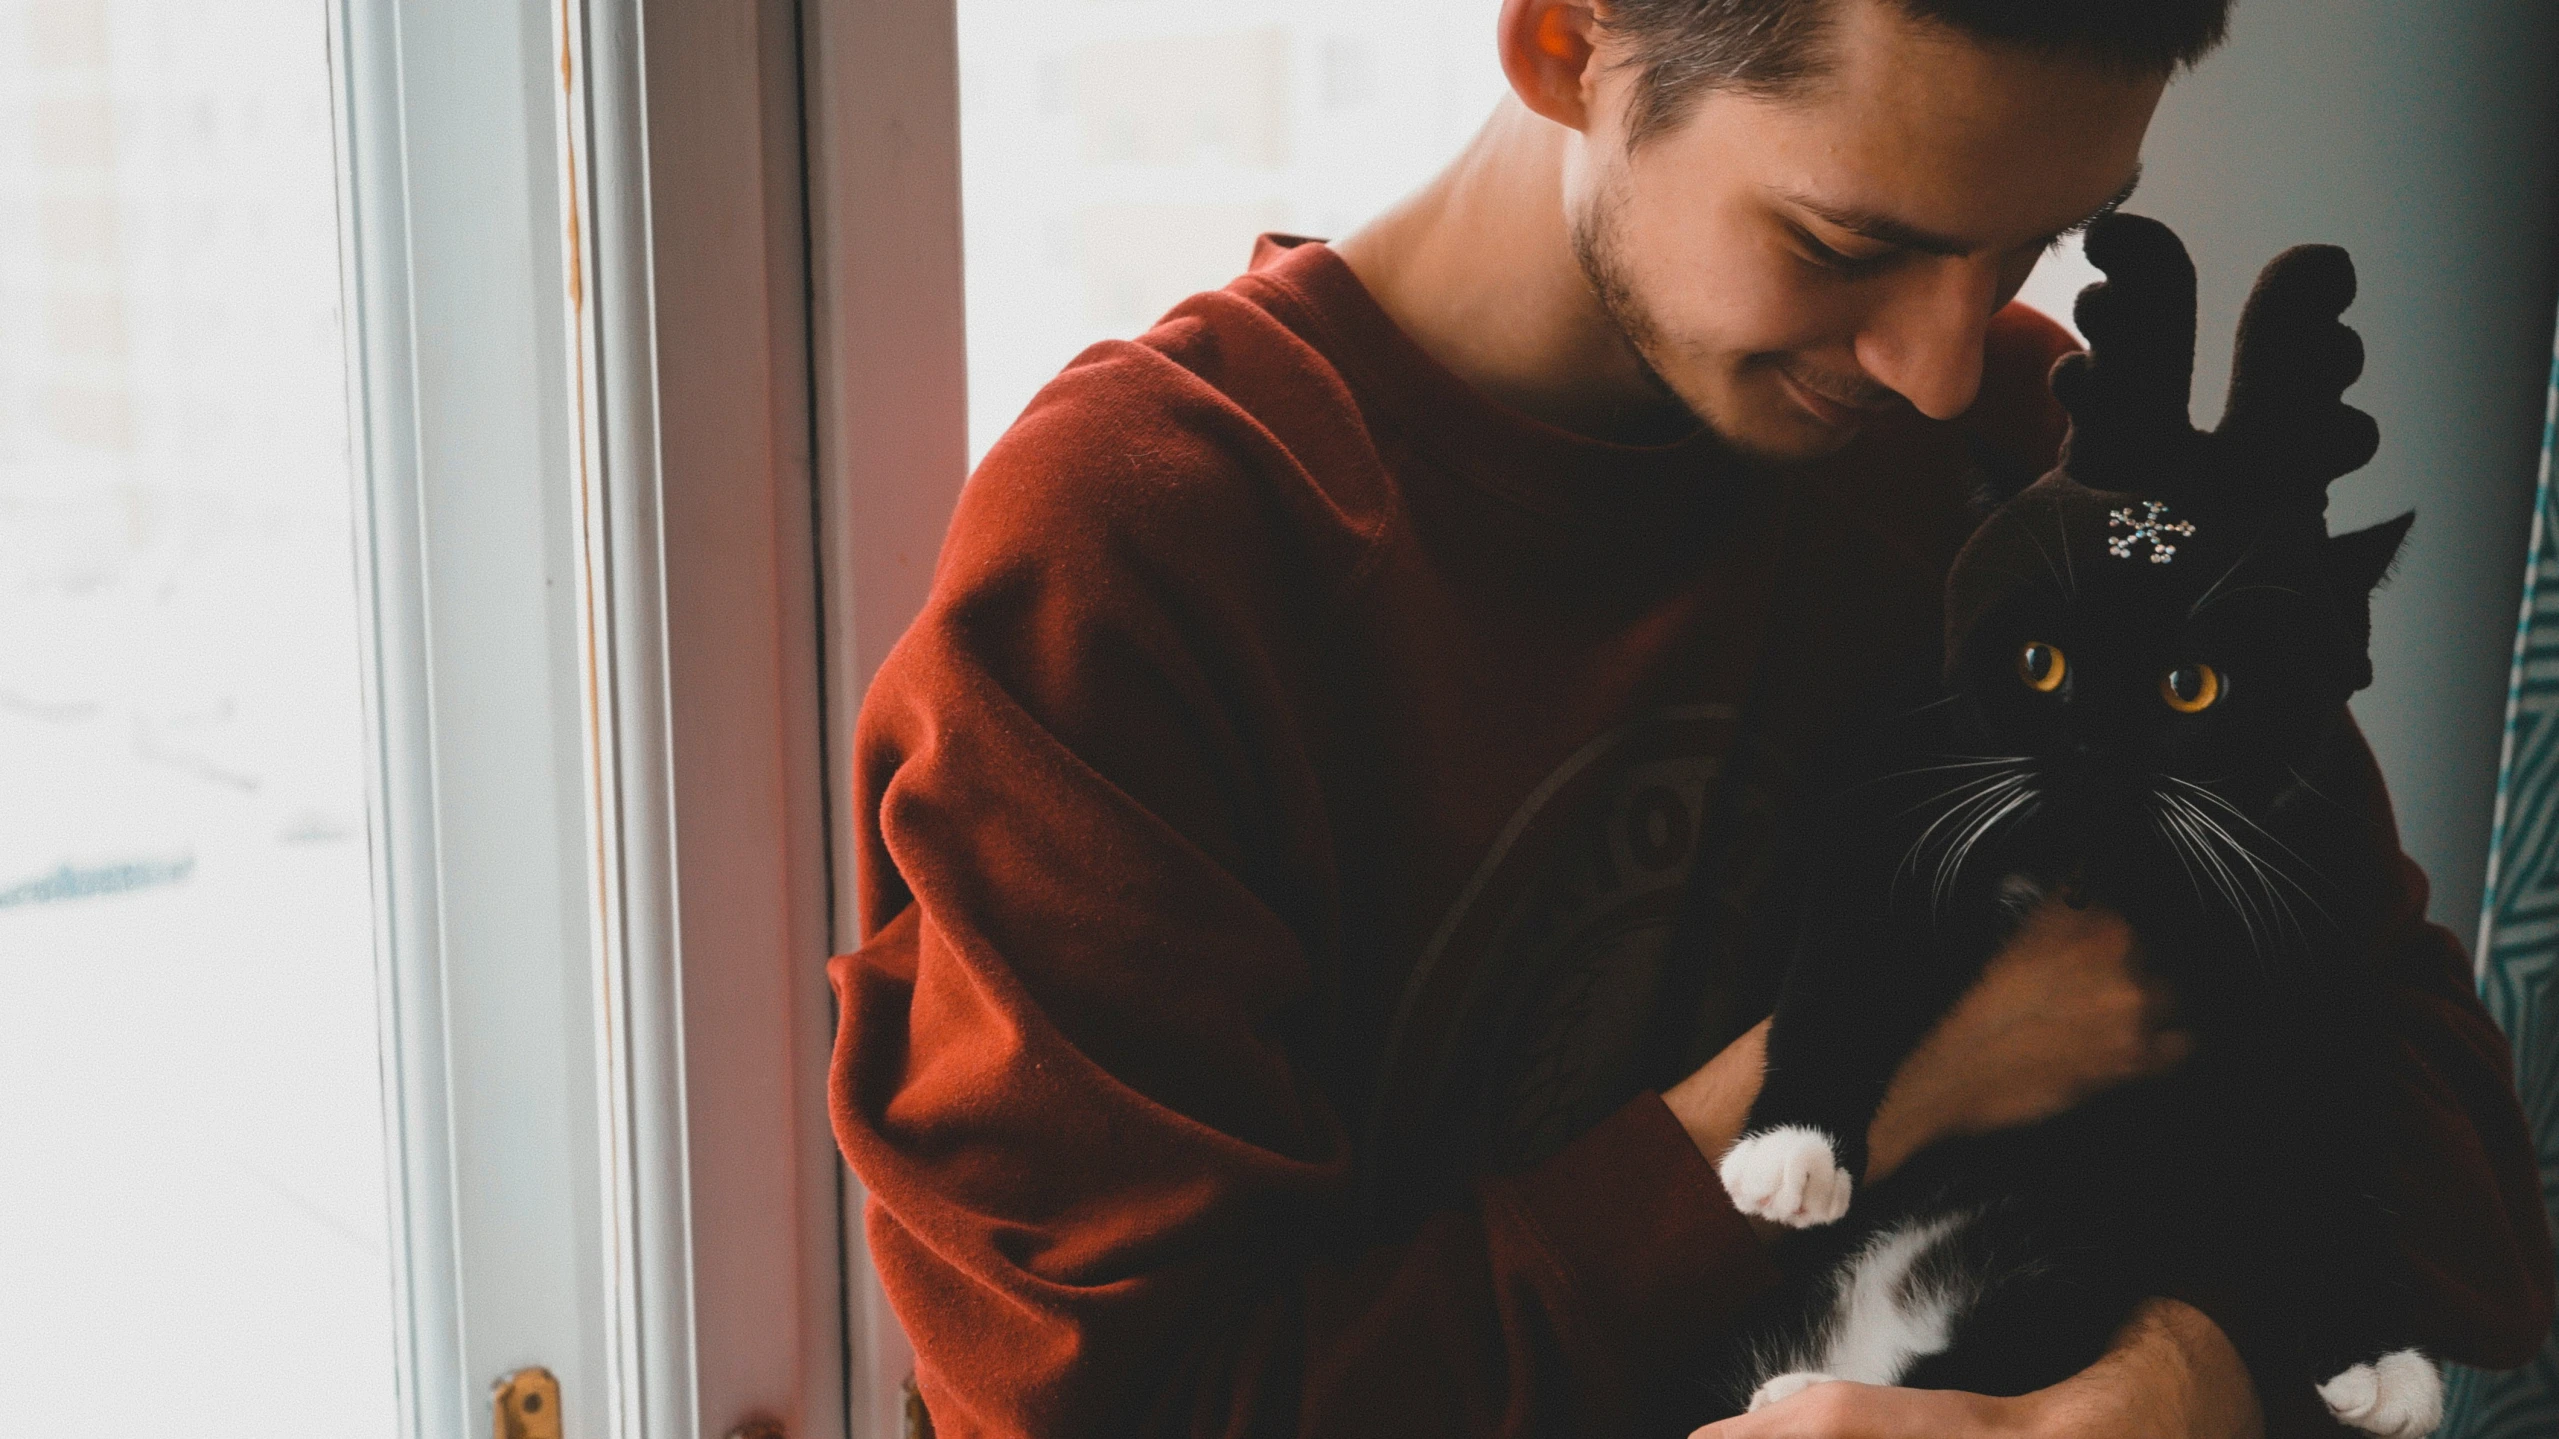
(2095, 759)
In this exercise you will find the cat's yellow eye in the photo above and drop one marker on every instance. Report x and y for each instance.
(2190, 689)
(2041, 666)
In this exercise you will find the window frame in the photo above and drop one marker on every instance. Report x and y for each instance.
(889, 349)
(579, 373)
(456, 394)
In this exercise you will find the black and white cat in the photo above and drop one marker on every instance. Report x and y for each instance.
(2143, 706)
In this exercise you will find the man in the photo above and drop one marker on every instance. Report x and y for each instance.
(1334, 706)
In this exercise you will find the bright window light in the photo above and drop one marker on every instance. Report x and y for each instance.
(190, 1104)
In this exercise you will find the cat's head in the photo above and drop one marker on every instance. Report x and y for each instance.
(2167, 600)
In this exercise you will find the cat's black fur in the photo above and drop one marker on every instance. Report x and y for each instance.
(2239, 842)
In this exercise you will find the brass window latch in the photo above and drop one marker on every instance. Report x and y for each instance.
(527, 1405)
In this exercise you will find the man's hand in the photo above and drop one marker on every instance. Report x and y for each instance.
(2061, 1013)
(2171, 1375)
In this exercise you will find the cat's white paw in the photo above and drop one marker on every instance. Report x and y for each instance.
(1784, 1387)
(2397, 1396)
(1789, 1174)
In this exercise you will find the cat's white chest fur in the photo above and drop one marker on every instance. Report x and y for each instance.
(1885, 1314)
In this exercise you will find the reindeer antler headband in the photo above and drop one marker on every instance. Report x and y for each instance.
(2285, 433)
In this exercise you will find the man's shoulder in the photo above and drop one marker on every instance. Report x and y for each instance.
(1217, 432)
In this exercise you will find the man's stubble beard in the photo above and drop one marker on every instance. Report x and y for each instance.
(1598, 243)
(1598, 247)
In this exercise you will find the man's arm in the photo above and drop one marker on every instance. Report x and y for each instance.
(1109, 1190)
(2172, 1374)
(2465, 1190)
(2469, 1239)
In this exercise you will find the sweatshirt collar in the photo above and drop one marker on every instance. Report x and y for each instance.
(1550, 470)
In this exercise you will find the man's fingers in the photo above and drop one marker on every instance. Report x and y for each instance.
(2170, 1048)
(1813, 1412)
(1843, 1410)
(2158, 1001)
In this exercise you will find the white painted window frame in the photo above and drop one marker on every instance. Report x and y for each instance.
(588, 549)
(890, 349)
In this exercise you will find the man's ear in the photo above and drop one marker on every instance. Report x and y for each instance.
(1549, 53)
(2359, 561)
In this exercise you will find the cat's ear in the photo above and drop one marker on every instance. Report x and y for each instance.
(2357, 562)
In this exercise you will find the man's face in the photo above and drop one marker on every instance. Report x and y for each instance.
(1787, 267)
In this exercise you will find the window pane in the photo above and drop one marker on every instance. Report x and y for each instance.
(1118, 155)
(191, 1160)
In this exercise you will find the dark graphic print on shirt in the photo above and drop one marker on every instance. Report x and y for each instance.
(1543, 1002)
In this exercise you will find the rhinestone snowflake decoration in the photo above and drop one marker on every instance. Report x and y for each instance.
(2153, 526)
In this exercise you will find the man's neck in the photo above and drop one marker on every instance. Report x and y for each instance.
(1478, 268)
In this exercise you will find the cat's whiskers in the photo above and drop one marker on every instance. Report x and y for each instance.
(2225, 880)
(2224, 578)
(1950, 866)
(2069, 585)
(2193, 857)
(2243, 590)
(2192, 843)
(1959, 762)
(2215, 841)
(1916, 710)
(2303, 780)
(2264, 865)
(2223, 803)
(2264, 873)
(1970, 811)
(2176, 844)
(1948, 794)
(1979, 792)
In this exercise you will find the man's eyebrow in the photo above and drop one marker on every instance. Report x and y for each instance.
(1881, 228)
(1885, 230)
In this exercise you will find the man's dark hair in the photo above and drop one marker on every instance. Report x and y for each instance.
(1769, 47)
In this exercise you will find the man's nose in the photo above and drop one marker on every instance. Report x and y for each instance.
(1925, 339)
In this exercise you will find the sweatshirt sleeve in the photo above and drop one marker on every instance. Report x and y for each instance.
(2461, 1183)
(1077, 1064)
(2464, 1185)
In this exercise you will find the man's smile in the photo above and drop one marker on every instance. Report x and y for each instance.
(1825, 402)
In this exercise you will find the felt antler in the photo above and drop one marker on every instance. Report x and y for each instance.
(2285, 433)
(2127, 394)
(2286, 428)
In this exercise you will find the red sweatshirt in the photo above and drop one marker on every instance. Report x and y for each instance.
(1271, 834)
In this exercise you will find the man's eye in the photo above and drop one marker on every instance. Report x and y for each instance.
(1830, 259)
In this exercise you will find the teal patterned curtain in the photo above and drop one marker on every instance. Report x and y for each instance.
(2519, 940)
